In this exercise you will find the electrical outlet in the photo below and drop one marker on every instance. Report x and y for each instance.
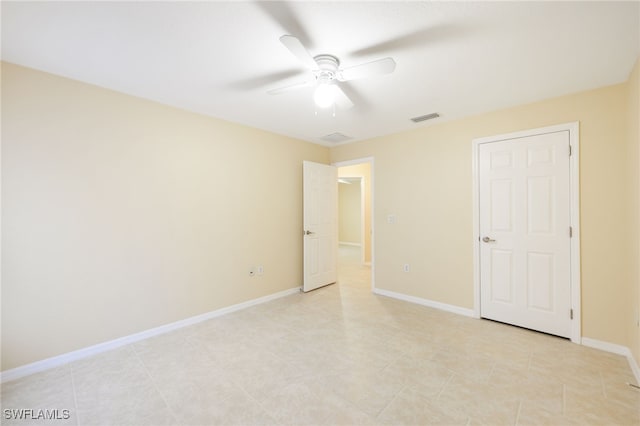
(406, 267)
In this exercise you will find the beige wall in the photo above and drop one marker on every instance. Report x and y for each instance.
(362, 170)
(633, 157)
(349, 213)
(433, 232)
(121, 214)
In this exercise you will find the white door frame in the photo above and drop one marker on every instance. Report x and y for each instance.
(574, 208)
(353, 162)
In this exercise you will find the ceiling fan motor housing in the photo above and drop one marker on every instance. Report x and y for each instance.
(327, 68)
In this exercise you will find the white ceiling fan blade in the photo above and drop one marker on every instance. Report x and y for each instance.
(341, 98)
(289, 88)
(295, 46)
(381, 66)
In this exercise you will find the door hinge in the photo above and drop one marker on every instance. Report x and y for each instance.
(571, 232)
(570, 313)
(569, 150)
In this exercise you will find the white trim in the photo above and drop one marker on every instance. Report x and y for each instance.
(425, 302)
(45, 364)
(616, 349)
(574, 206)
(345, 243)
(363, 220)
(574, 182)
(371, 161)
(634, 367)
(353, 162)
(606, 346)
(476, 228)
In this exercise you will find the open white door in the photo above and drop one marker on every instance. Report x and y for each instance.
(320, 221)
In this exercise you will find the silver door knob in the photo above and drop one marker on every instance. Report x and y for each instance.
(307, 232)
(488, 240)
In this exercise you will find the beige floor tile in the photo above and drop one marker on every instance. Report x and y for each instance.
(543, 392)
(411, 408)
(297, 404)
(620, 391)
(115, 388)
(205, 407)
(340, 355)
(349, 416)
(476, 366)
(368, 389)
(480, 400)
(50, 390)
(593, 407)
(531, 414)
(423, 376)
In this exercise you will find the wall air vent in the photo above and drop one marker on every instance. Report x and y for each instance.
(425, 117)
(336, 138)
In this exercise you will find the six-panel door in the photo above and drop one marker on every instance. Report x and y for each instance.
(320, 221)
(524, 232)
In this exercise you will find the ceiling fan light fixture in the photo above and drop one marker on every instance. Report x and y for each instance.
(327, 73)
(324, 95)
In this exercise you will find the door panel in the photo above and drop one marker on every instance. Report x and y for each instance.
(524, 218)
(502, 276)
(320, 221)
(540, 283)
(501, 205)
(541, 205)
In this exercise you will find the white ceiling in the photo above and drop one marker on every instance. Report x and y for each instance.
(220, 58)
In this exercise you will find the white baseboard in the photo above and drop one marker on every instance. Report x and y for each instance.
(606, 346)
(616, 349)
(59, 360)
(585, 341)
(634, 367)
(425, 302)
(56, 361)
(346, 243)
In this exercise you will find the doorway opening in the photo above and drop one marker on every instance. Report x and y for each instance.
(355, 223)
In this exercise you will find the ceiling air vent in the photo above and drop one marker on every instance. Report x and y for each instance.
(425, 117)
(335, 138)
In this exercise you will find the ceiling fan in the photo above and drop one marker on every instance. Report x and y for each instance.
(327, 73)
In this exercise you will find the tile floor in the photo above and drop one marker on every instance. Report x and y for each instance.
(339, 356)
